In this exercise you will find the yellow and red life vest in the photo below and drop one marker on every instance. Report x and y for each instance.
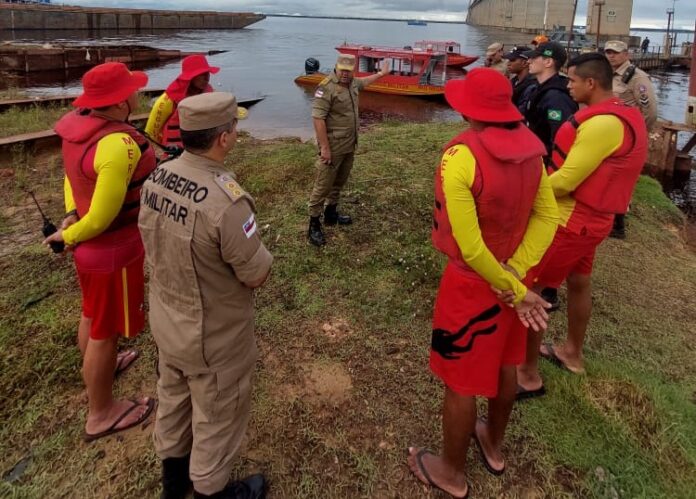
(177, 91)
(506, 182)
(81, 132)
(609, 188)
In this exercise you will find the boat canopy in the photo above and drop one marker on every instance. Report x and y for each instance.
(448, 46)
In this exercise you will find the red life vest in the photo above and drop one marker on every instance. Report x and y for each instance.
(610, 186)
(506, 181)
(177, 91)
(80, 133)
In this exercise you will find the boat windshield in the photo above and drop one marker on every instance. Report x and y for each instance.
(449, 47)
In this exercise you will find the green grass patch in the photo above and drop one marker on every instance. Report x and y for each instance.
(342, 386)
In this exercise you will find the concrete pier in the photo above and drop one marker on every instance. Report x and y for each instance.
(56, 17)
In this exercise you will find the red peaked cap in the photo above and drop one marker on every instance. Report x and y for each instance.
(483, 95)
(109, 84)
(195, 65)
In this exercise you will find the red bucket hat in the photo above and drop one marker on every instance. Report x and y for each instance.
(109, 84)
(483, 95)
(195, 65)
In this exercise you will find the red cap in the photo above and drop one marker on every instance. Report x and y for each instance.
(108, 84)
(195, 65)
(483, 95)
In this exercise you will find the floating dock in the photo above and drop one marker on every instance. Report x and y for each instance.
(53, 57)
(17, 16)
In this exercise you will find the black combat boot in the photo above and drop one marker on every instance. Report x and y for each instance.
(619, 230)
(315, 234)
(252, 487)
(551, 296)
(332, 217)
(176, 483)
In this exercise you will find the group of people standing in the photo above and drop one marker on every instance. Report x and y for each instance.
(523, 198)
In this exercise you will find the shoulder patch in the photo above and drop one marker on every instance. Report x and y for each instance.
(324, 81)
(230, 187)
(554, 114)
(319, 93)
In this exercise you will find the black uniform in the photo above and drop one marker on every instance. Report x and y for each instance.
(549, 106)
(522, 91)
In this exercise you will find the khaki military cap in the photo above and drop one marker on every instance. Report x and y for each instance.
(345, 62)
(616, 46)
(493, 48)
(209, 110)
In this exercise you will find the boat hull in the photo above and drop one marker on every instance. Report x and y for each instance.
(460, 61)
(381, 86)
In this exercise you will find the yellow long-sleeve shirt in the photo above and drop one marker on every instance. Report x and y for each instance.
(160, 113)
(597, 139)
(457, 180)
(115, 159)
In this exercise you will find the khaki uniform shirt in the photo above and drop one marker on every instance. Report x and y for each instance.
(338, 106)
(638, 92)
(201, 243)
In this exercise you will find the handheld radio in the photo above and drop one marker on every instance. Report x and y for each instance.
(48, 228)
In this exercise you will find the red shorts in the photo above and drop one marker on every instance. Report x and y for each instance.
(113, 284)
(474, 335)
(569, 253)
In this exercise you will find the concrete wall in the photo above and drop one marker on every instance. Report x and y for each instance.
(41, 17)
(615, 20)
(526, 15)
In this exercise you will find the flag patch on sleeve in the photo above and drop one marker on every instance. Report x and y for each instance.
(554, 114)
(319, 93)
(249, 226)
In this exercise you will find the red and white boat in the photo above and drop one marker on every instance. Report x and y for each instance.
(414, 72)
(455, 58)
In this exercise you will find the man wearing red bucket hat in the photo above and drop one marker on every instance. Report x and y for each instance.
(494, 217)
(106, 161)
(163, 122)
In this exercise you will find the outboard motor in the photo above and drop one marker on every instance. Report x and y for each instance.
(311, 66)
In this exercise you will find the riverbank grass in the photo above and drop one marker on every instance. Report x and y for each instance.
(342, 385)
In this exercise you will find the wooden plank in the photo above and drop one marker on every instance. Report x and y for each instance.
(40, 101)
(34, 138)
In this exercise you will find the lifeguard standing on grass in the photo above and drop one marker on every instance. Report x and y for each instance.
(163, 122)
(597, 158)
(494, 217)
(106, 161)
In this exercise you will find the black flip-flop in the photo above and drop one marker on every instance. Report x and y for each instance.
(426, 475)
(90, 437)
(120, 369)
(552, 357)
(484, 459)
(524, 394)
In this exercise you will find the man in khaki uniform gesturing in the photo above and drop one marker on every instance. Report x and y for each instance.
(335, 116)
(206, 257)
(633, 86)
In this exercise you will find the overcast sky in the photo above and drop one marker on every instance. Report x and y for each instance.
(648, 13)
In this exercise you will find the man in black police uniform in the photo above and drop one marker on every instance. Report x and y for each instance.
(522, 82)
(550, 104)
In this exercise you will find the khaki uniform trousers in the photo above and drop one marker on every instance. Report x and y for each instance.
(206, 415)
(329, 181)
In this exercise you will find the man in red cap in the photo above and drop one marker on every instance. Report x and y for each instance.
(106, 161)
(492, 232)
(163, 122)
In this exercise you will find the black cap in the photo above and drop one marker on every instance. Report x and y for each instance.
(518, 52)
(550, 49)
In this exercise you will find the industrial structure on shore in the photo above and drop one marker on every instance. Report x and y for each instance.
(612, 17)
(46, 16)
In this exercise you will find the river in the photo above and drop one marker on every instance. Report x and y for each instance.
(264, 59)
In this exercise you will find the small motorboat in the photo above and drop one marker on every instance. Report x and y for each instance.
(455, 58)
(413, 72)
